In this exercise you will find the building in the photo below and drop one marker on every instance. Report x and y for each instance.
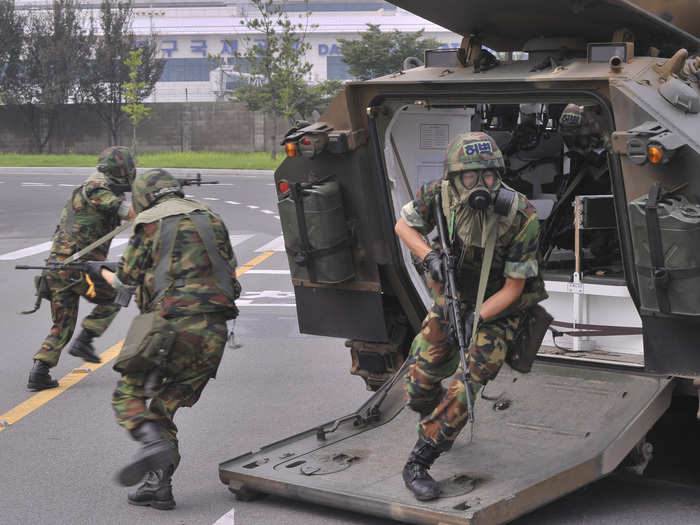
(188, 31)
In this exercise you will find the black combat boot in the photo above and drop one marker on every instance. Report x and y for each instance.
(415, 472)
(156, 491)
(425, 406)
(82, 347)
(156, 454)
(39, 377)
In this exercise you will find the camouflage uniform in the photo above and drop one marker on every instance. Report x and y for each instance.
(93, 210)
(433, 357)
(195, 306)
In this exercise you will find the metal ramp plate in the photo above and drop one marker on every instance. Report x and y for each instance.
(538, 436)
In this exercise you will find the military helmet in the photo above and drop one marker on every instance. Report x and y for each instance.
(473, 150)
(578, 120)
(117, 163)
(148, 187)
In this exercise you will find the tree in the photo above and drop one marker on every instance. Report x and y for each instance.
(277, 57)
(135, 93)
(317, 97)
(11, 40)
(54, 55)
(377, 53)
(104, 85)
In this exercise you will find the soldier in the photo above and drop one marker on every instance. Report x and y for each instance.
(93, 210)
(180, 261)
(587, 146)
(474, 166)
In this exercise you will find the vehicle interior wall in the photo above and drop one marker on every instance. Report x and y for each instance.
(587, 287)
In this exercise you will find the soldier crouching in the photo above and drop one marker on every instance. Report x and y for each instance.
(182, 267)
(468, 190)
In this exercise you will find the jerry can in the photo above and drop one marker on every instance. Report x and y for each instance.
(316, 234)
(668, 275)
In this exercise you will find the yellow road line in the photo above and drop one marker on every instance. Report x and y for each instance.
(254, 262)
(41, 398)
(44, 396)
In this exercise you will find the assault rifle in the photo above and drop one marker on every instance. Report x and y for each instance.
(184, 181)
(123, 298)
(452, 307)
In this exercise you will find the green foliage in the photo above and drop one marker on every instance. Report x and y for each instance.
(378, 53)
(317, 97)
(134, 91)
(11, 38)
(104, 84)
(55, 54)
(190, 159)
(278, 61)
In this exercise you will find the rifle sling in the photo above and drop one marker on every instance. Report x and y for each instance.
(492, 233)
(116, 231)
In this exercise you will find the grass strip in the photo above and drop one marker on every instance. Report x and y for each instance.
(190, 159)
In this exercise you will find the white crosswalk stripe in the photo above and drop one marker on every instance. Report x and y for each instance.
(26, 252)
(118, 247)
(276, 245)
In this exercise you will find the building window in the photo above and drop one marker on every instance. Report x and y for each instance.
(336, 69)
(187, 70)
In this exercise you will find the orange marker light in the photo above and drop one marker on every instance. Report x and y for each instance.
(291, 149)
(655, 154)
(284, 186)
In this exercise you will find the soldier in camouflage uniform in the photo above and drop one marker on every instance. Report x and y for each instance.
(197, 299)
(588, 145)
(93, 210)
(474, 166)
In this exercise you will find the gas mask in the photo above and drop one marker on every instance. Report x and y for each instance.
(482, 189)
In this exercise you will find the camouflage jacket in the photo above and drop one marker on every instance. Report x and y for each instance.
(515, 256)
(195, 289)
(91, 212)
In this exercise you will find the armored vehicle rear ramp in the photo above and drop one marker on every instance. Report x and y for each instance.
(536, 438)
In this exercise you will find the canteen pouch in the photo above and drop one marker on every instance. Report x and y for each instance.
(42, 291)
(523, 350)
(316, 234)
(147, 345)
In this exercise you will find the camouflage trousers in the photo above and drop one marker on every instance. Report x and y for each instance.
(434, 358)
(193, 361)
(67, 286)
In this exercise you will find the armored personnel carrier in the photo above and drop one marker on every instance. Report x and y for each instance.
(619, 205)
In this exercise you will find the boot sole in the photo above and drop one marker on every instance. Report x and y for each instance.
(89, 358)
(152, 503)
(36, 388)
(134, 473)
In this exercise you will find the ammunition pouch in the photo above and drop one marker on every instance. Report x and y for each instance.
(528, 339)
(42, 291)
(147, 345)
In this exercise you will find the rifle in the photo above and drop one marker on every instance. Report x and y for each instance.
(454, 312)
(123, 298)
(184, 181)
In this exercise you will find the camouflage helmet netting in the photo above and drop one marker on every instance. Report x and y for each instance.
(473, 151)
(578, 120)
(117, 163)
(148, 187)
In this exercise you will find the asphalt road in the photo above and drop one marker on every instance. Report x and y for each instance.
(57, 463)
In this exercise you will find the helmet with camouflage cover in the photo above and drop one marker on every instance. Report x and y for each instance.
(571, 121)
(117, 163)
(148, 187)
(473, 150)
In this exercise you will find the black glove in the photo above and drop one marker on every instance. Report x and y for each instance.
(434, 262)
(469, 325)
(94, 268)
